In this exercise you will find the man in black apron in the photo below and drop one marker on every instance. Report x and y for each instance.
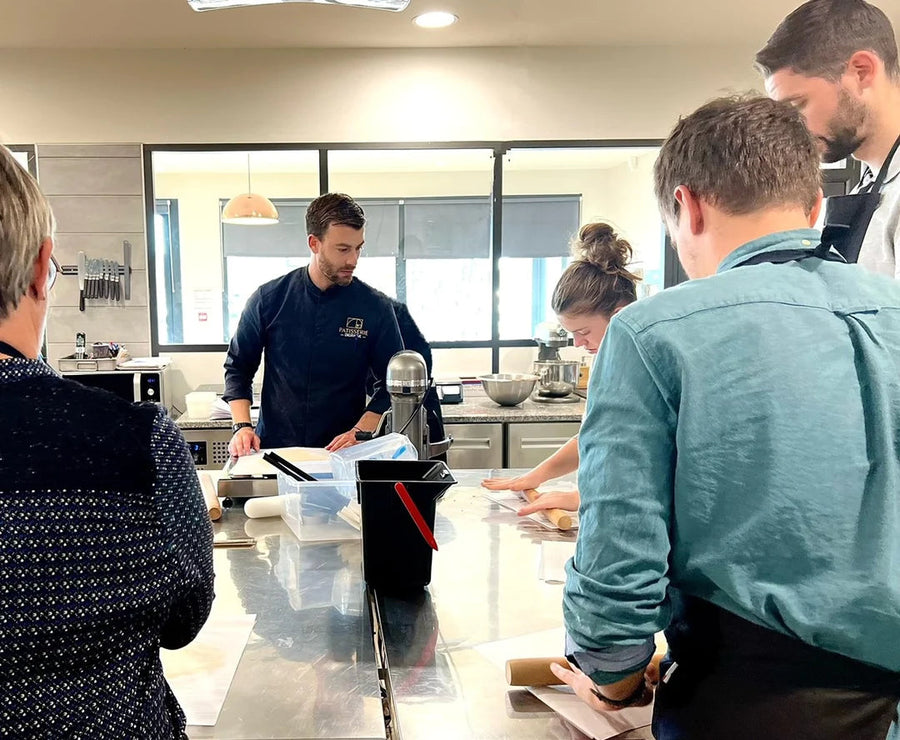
(836, 61)
(738, 460)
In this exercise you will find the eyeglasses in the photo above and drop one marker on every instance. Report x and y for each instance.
(52, 272)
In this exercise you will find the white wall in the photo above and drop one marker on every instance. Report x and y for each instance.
(183, 96)
(359, 95)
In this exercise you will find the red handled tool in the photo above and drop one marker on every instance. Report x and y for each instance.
(415, 514)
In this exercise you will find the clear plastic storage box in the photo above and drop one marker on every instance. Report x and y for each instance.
(318, 511)
(389, 447)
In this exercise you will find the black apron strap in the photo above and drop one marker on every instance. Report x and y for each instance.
(8, 349)
(847, 217)
(874, 200)
(782, 256)
(883, 172)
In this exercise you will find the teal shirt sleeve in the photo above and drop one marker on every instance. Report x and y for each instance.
(615, 595)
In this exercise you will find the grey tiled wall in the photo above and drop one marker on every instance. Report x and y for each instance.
(96, 192)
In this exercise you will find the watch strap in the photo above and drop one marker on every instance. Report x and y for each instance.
(633, 697)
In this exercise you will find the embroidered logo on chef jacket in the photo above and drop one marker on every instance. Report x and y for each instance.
(354, 329)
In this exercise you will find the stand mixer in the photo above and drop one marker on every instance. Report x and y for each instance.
(407, 382)
(557, 377)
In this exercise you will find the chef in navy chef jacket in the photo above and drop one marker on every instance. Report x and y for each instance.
(319, 332)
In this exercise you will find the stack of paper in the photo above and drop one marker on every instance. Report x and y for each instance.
(221, 410)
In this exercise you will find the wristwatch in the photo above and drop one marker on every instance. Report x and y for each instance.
(240, 425)
(633, 697)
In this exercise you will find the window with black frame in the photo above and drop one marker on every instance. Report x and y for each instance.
(197, 290)
(168, 271)
(420, 250)
(430, 234)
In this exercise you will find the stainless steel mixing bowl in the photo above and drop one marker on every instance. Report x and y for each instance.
(508, 389)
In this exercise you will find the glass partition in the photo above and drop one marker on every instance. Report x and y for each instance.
(205, 270)
(428, 233)
(548, 194)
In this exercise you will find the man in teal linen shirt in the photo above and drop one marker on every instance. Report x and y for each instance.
(740, 460)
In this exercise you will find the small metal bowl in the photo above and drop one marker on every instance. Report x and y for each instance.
(508, 389)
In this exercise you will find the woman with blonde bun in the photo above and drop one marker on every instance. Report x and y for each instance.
(593, 288)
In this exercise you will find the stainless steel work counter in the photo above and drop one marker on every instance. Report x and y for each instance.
(308, 670)
(484, 588)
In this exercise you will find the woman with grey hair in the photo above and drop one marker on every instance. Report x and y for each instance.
(105, 543)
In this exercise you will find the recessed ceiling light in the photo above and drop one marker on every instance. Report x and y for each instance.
(395, 5)
(435, 19)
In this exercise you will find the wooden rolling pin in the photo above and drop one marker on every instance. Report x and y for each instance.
(536, 671)
(209, 495)
(560, 517)
(533, 671)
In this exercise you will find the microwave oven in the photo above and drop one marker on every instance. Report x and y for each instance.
(132, 385)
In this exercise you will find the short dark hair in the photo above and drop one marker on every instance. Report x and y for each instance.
(333, 208)
(742, 154)
(818, 39)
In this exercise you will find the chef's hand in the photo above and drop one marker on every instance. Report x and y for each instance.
(583, 685)
(347, 439)
(523, 482)
(243, 442)
(567, 500)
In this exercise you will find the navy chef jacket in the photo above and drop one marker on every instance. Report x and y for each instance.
(318, 348)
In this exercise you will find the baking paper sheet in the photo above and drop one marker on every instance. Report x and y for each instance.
(514, 501)
(314, 460)
(200, 674)
(599, 725)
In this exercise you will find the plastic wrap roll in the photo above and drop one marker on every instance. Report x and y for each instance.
(257, 508)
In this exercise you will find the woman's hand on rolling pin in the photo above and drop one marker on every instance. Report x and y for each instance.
(584, 688)
(243, 442)
(567, 500)
(521, 483)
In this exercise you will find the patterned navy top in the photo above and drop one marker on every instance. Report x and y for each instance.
(105, 555)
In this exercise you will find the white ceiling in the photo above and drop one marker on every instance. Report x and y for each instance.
(130, 24)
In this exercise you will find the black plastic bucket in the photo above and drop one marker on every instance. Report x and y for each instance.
(396, 557)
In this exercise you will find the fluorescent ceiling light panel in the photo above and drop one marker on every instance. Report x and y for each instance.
(394, 5)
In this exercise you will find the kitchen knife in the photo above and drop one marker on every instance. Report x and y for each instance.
(82, 269)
